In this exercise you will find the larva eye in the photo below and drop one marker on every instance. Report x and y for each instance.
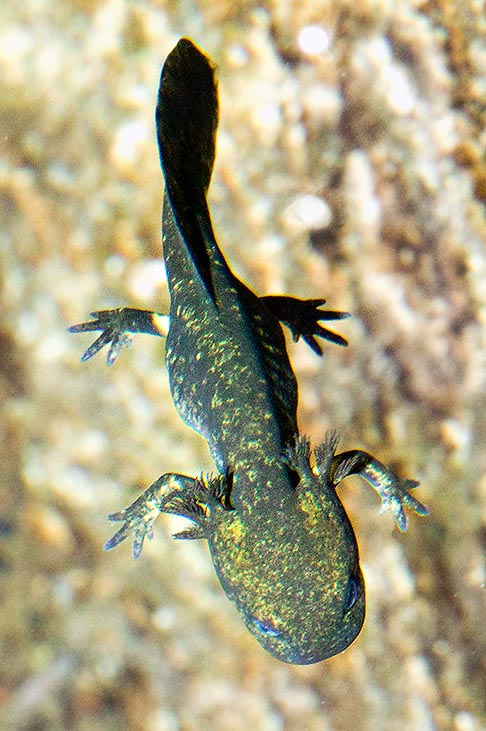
(352, 594)
(265, 627)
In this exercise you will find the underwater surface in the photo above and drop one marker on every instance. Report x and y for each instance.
(351, 164)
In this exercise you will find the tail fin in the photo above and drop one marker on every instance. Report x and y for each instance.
(187, 118)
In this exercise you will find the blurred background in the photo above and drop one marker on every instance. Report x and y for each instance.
(351, 165)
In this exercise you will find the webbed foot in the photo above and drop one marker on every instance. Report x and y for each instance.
(393, 491)
(189, 497)
(303, 318)
(395, 496)
(138, 518)
(117, 327)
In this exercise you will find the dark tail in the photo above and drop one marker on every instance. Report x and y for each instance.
(187, 118)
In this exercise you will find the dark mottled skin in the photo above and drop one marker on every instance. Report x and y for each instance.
(281, 542)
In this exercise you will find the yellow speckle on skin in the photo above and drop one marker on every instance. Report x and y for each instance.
(233, 531)
(308, 505)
